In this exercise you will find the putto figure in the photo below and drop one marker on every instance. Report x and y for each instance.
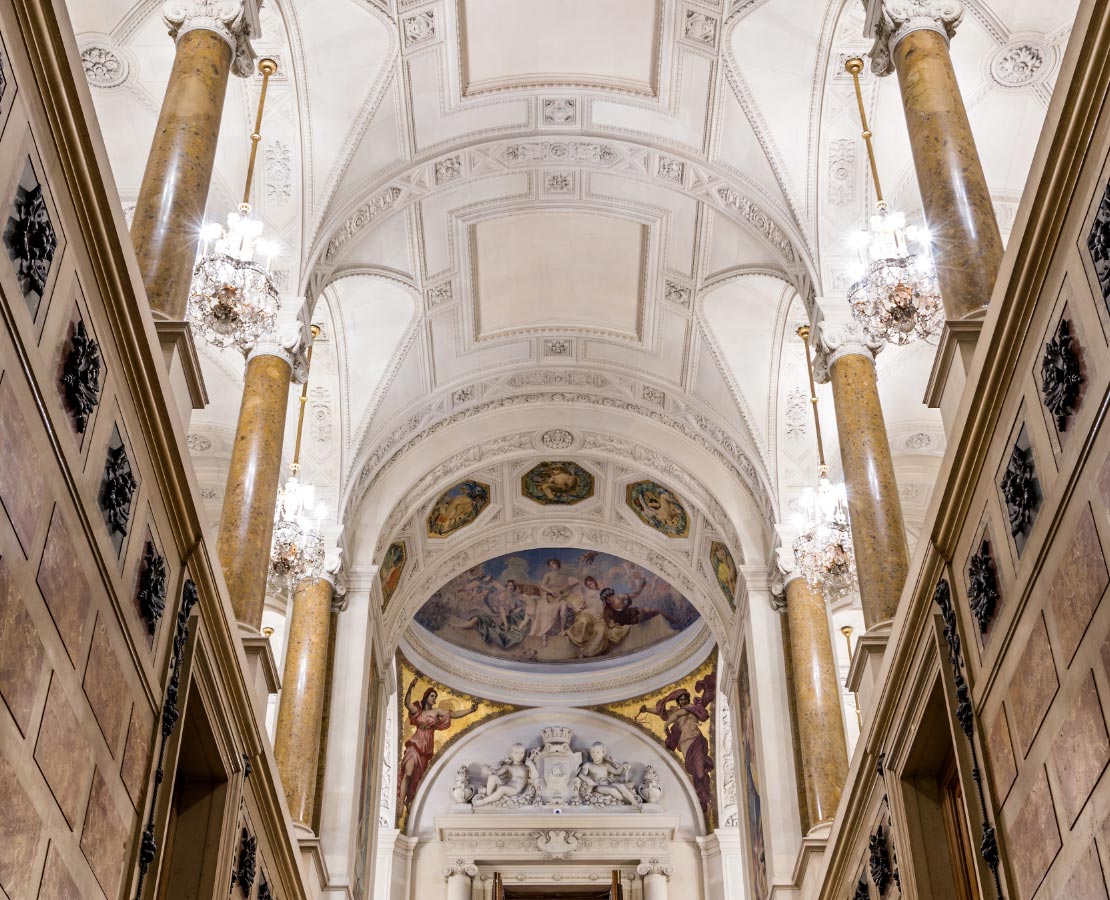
(600, 777)
(509, 780)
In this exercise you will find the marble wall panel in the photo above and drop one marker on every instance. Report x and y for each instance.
(104, 837)
(57, 883)
(22, 483)
(64, 587)
(1080, 752)
(1086, 881)
(136, 754)
(1000, 753)
(1078, 585)
(63, 753)
(1033, 687)
(1034, 838)
(22, 658)
(20, 832)
(106, 688)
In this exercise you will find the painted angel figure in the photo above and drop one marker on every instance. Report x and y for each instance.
(427, 718)
(600, 775)
(510, 779)
(682, 725)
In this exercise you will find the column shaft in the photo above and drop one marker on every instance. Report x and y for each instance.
(174, 191)
(297, 737)
(817, 700)
(967, 245)
(247, 522)
(458, 886)
(655, 886)
(874, 507)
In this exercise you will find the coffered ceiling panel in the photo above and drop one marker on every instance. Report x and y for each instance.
(564, 269)
(536, 43)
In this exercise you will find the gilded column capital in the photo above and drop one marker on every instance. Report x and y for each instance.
(833, 341)
(888, 21)
(654, 867)
(235, 21)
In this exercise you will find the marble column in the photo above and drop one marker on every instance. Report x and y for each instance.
(212, 41)
(656, 875)
(817, 698)
(459, 877)
(911, 38)
(247, 521)
(845, 356)
(297, 737)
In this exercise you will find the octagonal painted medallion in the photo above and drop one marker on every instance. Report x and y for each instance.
(559, 483)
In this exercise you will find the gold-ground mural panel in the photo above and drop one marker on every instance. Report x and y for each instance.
(457, 507)
(559, 483)
(658, 507)
(681, 718)
(432, 717)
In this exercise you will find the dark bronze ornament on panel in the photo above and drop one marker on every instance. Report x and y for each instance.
(118, 489)
(1020, 491)
(245, 867)
(1098, 245)
(148, 847)
(264, 889)
(1061, 378)
(879, 861)
(982, 586)
(862, 892)
(81, 377)
(152, 587)
(30, 240)
(988, 847)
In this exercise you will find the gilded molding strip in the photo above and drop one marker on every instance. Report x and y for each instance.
(988, 847)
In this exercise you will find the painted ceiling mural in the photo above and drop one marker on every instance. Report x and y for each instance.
(560, 483)
(557, 605)
(457, 507)
(659, 508)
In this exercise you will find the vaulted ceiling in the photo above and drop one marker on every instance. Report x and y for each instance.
(604, 216)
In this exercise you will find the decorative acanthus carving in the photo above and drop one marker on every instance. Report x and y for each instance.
(30, 239)
(236, 21)
(982, 586)
(81, 376)
(117, 490)
(1021, 64)
(891, 20)
(557, 843)
(151, 595)
(1020, 490)
(835, 341)
(1061, 377)
(362, 217)
(279, 173)
(879, 861)
(246, 865)
(105, 67)
(554, 775)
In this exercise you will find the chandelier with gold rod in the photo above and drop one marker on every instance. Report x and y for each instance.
(232, 298)
(297, 548)
(895, 296)
(823, 549)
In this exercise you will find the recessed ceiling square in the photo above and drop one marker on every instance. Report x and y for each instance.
(573, 43)
(577, 271)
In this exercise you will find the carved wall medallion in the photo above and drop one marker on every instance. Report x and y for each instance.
(879, 861)
(81, 377)
(30, 239)
(246, 865)
(558, 111)
(419, 29)
(557, 439)
(700, 27)
(151, 595)
(1022, 64)
(1098, 245)
(448, 169)
(1021, 490)
(982, 586)
(439, 294)
(1061, 377)
(676, 293)
(842, 172)
(105, 67)
(117, 489)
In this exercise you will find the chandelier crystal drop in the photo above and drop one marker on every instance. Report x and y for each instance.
(232, 298)
(297, 546)
(895, 297)
(823, 551)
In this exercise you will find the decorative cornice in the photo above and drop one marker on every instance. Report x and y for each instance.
(888, 21)
(235, 21)
(834, 341)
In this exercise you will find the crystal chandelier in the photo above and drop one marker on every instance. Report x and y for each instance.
(896, 296)
(823, 549)
(232, 299)
(297, 547)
